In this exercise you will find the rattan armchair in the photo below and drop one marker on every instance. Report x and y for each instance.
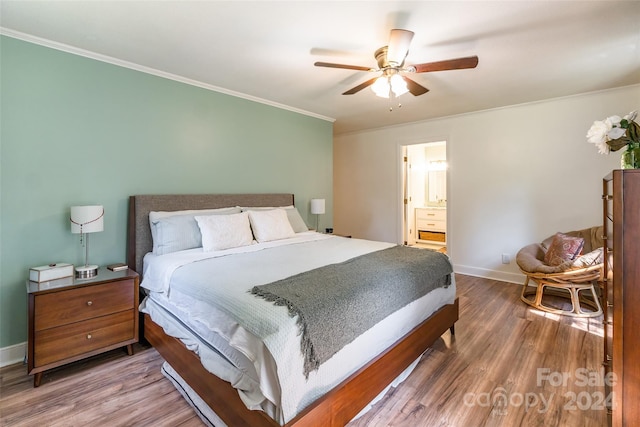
(573, 279)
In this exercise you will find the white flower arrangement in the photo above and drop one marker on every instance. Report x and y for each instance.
(614, 132)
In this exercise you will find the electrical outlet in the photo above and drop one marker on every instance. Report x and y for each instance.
(506, 259)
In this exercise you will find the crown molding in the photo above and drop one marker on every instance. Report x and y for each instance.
(148, 70)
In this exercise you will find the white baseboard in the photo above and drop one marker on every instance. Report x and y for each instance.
(12, 354)
(502, 276)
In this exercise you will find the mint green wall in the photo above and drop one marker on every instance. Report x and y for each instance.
(78, 131)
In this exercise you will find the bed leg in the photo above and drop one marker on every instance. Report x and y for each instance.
(453, 329)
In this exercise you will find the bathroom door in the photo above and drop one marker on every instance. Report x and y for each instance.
(414, 188)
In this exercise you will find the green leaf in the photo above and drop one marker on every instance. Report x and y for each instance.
(616, 144)
(633, 132)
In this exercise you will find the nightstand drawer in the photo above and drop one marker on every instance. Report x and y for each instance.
(73, 305)
(60, 343)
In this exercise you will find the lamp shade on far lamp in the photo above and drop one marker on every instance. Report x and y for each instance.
(317, 208)
(85, 220)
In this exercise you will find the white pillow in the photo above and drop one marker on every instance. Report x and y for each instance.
(178, 230)
(297, 223)
(270, 225)
(225, 231)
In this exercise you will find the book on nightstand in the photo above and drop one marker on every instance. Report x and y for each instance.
(117, 266)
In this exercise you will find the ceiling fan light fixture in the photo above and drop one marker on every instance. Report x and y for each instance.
(384, 85)
(398, 85)
(381, 87)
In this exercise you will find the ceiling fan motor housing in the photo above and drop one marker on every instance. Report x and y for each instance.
(383, 61)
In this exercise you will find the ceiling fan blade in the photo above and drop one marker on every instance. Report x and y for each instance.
(348, 67)
(449, 64)
(399, 42)
(360, 86)
(415, 88)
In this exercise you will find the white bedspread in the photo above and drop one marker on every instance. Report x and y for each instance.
(220, 281)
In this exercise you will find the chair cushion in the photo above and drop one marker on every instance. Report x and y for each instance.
(530, 260)
(563, 248)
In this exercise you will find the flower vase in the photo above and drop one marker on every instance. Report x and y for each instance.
(631, 156)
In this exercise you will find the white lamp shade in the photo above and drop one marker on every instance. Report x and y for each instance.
(87, 219)
(381, 87)
(317, 206)
(398, 85)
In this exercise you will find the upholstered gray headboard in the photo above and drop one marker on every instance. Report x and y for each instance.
(139, 240)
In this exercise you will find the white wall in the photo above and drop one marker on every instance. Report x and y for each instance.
(516, 176)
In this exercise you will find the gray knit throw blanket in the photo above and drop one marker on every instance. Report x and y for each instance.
(338, 302)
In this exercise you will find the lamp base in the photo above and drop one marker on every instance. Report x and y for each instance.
(86, 271)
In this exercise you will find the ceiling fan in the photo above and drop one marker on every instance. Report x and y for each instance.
(391, 63)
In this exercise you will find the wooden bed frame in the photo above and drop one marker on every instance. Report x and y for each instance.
(338, 406)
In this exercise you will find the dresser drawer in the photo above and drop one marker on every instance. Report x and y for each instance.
(74, 305)
(54, 344)
(431, 225)
(431, 214)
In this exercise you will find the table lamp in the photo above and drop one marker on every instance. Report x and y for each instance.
(317, 208)
(85, 220)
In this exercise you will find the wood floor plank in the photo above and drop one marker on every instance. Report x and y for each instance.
(496, 371)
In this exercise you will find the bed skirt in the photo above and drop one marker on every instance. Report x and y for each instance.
(211, 419)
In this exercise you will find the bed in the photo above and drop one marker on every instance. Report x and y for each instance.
(332, 393)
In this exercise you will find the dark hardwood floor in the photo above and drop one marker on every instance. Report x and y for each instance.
(508, 365)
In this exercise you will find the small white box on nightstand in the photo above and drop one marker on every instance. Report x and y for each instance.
(50, 272)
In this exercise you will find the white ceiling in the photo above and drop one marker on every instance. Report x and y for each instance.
(265, 50)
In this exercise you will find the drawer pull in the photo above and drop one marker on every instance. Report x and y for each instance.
(89, 336)
(89, 302)
(431, 214)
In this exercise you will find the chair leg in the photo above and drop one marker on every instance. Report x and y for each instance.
(526, 293)
(524, 287)
(594, 303)
(575, 300)
(539, 294)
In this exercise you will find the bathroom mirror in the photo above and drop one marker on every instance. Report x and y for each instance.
(437, 187)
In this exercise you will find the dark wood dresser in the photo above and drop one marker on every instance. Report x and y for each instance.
(70, 319)
(621, 296)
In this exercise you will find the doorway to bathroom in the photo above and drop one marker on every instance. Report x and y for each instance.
(424, 199)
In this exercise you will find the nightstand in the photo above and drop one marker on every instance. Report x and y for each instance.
(71, 319)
